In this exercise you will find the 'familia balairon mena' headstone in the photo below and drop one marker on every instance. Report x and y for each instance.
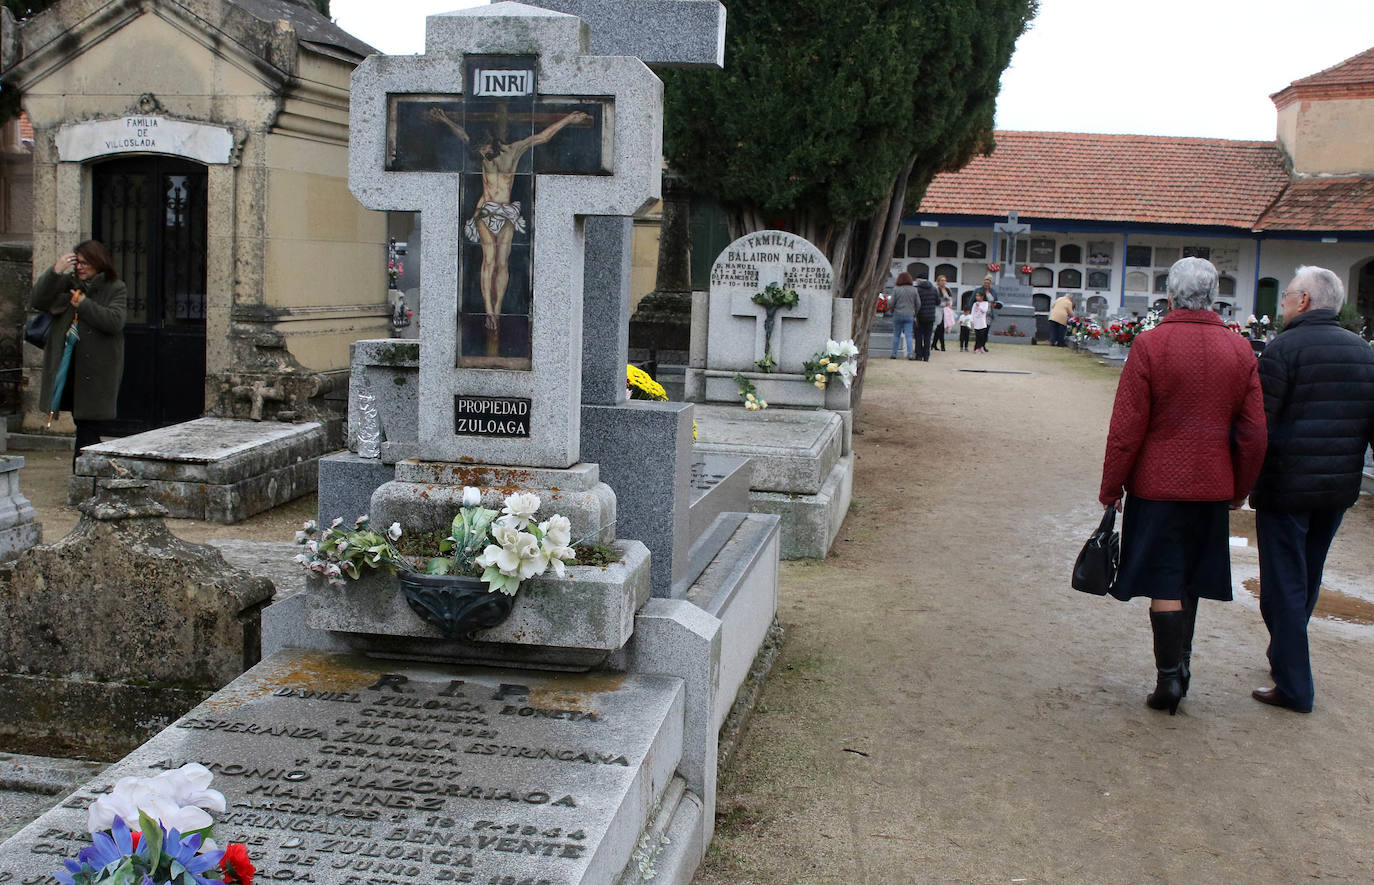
(740, 334)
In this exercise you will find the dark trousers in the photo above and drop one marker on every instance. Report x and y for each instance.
(1058, 334)
(923, 331)
(88, 433)
(980, 338)
(963, 337)
(1292, 552)
(938, 342)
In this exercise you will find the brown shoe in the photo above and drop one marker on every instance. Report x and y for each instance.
(1275, 698)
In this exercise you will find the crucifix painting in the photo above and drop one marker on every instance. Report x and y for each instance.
(498, 136)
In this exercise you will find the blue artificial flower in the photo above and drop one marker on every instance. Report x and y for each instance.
(73, 868)
(185, 858)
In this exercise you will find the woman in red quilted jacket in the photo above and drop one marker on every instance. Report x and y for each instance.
(1186, 443)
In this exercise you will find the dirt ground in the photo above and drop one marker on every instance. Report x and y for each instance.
(946, 709)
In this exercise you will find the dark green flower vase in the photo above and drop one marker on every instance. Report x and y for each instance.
(456, 604)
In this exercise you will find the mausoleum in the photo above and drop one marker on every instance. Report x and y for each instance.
(206, 143)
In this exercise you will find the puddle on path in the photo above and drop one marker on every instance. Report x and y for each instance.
(1332, 604)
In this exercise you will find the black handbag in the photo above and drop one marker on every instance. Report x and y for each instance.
(38, 328)
(1095, 570)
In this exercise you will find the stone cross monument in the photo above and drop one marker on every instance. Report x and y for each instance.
(505, 135)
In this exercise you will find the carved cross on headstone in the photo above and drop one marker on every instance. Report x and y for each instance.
(505, 102)
(1013, 228)
(767, 341)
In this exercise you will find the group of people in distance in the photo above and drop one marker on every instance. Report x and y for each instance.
(1199, 425)
(922, 312)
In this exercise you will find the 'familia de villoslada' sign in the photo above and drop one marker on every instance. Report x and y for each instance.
(151, 135)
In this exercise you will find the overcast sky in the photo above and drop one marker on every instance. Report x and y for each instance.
(1165, 67)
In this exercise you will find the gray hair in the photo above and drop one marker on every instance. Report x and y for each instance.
(1192, 284)
(1324, 289)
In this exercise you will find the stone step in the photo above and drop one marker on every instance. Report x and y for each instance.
(339, 768)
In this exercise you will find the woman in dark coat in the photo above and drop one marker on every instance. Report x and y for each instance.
(83, 286)
(1187, 441)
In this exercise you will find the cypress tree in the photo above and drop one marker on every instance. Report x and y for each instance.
(832, 116)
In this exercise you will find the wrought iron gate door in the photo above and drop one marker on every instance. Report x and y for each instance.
(150, 213)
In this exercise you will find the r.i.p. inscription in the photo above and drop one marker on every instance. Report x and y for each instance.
(344, 771)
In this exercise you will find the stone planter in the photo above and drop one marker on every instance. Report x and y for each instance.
(591, 609)
(456, 604)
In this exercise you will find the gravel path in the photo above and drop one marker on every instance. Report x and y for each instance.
(946, 709)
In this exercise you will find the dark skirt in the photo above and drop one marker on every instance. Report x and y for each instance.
(1174, 549)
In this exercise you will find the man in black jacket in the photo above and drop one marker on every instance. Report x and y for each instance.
(1318, 382)
(925, 316)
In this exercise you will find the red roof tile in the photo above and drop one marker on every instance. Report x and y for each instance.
(1321, 204)
(1356, 69)
(1130, 178)
(1352, 78)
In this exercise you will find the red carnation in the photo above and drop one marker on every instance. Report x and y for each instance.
(236, 865)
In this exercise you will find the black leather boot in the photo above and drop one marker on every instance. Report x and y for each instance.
(1168, 633)
(1186, 662)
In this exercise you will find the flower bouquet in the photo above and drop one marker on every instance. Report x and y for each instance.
(641, 386)
(750, 393)
(172, 844)
(839, 358)
(1123, 332)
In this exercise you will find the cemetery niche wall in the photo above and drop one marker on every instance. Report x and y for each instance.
(799, 447)
(577, 741)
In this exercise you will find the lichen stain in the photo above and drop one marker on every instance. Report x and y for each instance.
(576, 691)
(308, 670)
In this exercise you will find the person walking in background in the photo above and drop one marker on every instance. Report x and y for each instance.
(83, 287)
(925, 316)
(965, 327)
(979, 321)
(1060, 313)
(1318, 382)
(1187, 440)
(944, 317)
(904, 300)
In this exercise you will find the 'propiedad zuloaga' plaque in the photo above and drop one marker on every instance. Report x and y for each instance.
(352, 771)
(503, 416)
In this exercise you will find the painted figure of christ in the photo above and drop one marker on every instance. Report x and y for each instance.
(497, 218)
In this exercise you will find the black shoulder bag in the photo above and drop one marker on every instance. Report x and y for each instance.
(38, 328)
(1095, 570)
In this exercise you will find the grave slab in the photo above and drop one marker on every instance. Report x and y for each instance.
(811, 522)
(343, 769)
(793, 450)
(215, 469)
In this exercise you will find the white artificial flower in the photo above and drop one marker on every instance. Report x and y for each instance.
(338, 520)
(302, 558)
(557, 530)
(177, 799)
(360, 521)
(521, 506)
(505, 532)
(308, 525)
(507, 562)
(749, 397)
(763, 404)
(472, 497)
(847, 372)
(394, 533)
(845, 348)
(533, 562)
(557, 555)
(301, 537)
(1264, 320)
(312, 546)
(1251, 320)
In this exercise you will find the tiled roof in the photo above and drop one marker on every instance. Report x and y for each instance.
(1322, 204)
(1356, 69)
(1139, 178)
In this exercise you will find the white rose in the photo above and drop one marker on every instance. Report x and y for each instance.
(521, 506)
(472, 497)
(557, 530)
